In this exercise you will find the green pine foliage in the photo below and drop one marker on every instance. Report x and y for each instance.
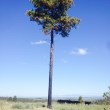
(52, 15)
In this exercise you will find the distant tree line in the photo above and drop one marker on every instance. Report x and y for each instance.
(14, 99)
(104, 101)
(79, 101)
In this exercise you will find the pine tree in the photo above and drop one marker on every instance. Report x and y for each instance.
(52, 16)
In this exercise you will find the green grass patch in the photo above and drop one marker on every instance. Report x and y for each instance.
(4, 105)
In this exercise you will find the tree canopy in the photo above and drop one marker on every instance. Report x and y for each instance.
(106, 95)
(52, 15)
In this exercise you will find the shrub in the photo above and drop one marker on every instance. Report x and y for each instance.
(10, 99)
(106, 96)
(17, 106)
(43, 105)
(14, 99)
(80, 99)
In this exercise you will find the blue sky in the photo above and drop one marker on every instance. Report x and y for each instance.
(81, 61)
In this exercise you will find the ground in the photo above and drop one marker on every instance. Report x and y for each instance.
(6, 105)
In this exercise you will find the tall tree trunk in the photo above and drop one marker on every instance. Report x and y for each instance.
(50, 71)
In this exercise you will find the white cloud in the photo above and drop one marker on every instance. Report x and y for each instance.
(24, 63)
(64, 61)
(80, 51)
(41, 42)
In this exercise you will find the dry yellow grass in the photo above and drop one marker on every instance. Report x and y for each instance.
(43, 109)
(5, 105)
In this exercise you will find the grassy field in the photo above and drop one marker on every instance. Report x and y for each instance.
(5, 105)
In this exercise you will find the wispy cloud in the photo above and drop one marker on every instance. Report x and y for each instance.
(23, 63)
(64, 61)
(80, 51)
(41, 42)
